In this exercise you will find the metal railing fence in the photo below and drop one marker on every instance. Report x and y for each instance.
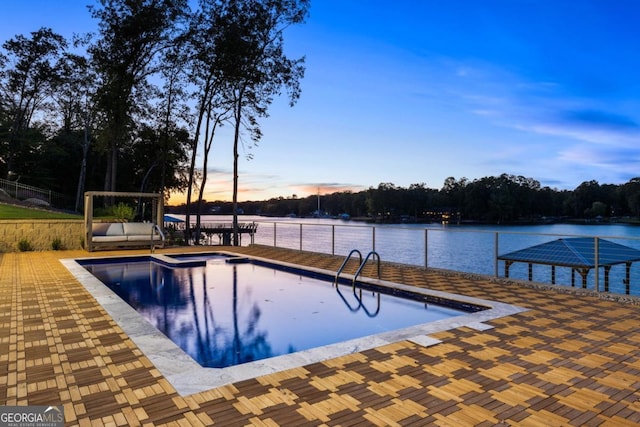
(462, 250)
(23, 192)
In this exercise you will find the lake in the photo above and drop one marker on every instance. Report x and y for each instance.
(466, 248)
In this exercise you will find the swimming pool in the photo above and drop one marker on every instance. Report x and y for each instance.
(189, 376)
(225, 311)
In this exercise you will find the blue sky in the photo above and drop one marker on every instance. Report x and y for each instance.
(416, 91)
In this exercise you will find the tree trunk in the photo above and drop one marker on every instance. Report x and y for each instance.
(236, 139)
(83, 168)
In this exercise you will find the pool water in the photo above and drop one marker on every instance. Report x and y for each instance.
(225, 312)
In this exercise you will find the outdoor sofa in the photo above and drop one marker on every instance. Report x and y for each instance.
(105, 235)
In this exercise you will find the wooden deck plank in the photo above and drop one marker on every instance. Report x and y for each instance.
(570, 359)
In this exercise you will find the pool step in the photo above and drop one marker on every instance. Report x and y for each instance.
(237, 260)
(172, 262)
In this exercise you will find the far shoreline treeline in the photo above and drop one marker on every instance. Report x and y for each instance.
(502, 199)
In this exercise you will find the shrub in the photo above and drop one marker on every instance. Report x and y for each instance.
(122, 212)
(24, 245)
(56, 244)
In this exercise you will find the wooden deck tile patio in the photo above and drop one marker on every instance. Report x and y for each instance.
(571, 359)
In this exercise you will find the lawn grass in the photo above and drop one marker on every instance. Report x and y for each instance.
(18, 212)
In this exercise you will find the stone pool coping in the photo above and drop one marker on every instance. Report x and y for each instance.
(188, 377)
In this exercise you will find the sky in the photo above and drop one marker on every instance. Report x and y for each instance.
(415, 91)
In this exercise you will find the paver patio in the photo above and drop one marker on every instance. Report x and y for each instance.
(569, 360)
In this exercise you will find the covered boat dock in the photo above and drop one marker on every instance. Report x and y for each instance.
(581, 254)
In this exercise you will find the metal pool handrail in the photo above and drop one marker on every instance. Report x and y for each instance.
(363, 263)
(344, 263)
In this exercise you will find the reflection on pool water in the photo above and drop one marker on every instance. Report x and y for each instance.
(226, 311)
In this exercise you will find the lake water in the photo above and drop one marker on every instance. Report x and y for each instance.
(465, 248)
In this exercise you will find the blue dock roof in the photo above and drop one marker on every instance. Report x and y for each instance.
(576, 252)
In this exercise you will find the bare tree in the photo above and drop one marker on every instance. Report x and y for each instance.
(173, 118)
(255, 67)
(213, 109)
(74, 96)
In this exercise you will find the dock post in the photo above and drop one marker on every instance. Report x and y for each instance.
(495, 255)
(426, 247)
(596, 256)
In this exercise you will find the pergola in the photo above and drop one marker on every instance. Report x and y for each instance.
(581, 254)
(157, 208)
